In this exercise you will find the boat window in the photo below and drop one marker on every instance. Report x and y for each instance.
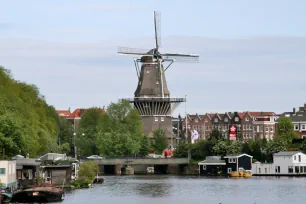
(290, 169)
(204, 167)
(229, 170)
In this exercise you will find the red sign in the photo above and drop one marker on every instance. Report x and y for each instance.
(232, 132)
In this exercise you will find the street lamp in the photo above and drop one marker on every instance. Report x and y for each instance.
(75, 147)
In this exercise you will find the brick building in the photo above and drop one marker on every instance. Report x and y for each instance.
(298, 119)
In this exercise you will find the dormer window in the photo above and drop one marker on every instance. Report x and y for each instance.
(246, 119)
(196, 120)
(216, 120)
(236, 119)
(226, 120)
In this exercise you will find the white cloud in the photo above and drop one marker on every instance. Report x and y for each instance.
(241, 74)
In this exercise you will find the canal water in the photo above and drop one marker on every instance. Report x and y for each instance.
(188, 190)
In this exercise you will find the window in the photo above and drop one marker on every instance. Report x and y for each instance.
(277, 169)
(246, 119)
(157, 82)
(267, 129)
(297, 169)
(303, 127)
(259, 170)
(266, 171)
(216, 120)
(196, 120)
(162, 119)
(156, 118)
(296, 127)
(206, 120)
(229, 170)
(300, 158)
(301, 169)
(204, 167)
(304, 169)
(236, 119)
(290, 169)
(232, 160)
(294, 157)
(243, 127)
(2, 170)
(226, 120)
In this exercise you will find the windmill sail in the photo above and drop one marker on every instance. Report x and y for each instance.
(133, 51)
(157, 29)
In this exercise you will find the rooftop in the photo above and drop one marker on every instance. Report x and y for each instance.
(286, 153)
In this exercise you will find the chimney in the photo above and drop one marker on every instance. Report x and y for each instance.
(293, 110)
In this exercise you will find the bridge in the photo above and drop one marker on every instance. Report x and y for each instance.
(143, 161)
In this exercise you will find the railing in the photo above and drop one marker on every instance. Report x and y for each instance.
(154, 99)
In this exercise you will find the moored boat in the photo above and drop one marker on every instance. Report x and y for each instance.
(38, 195)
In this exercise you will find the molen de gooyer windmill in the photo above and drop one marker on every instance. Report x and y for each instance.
(152, 97)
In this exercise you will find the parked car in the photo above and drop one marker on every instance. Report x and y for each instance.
(95, 157)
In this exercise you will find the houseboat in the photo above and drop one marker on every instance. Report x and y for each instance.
(38, 195)
(239, 165)
(235, 165)
(286, 163)
(8, 174)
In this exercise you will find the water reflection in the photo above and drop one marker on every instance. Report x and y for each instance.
(188, 190)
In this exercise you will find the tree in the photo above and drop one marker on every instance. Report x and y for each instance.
(145, 146)
(28, 125)
(87, 131)
(181, 150)
(216, 135)
(275, 146)
(160, 141)
(88, 170)
(220, 148)
(120, 133)
(234, 147)
(285, 129)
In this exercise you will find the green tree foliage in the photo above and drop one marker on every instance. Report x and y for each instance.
(220, 148)
(120, 131)
(87, 131)
(285, 129)
(88, 171)
(27, 123)
(181, 150)
(275, 146)
(160, 141)
(216, 135)
(66, 131)
(145, 146)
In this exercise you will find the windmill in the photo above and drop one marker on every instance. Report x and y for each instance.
(152, 97)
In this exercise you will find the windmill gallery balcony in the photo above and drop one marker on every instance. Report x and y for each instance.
(155, 106)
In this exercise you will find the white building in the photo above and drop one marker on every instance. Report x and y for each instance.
(8, 173)
(284, 163)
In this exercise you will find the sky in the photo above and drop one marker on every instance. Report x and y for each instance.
(252, 53)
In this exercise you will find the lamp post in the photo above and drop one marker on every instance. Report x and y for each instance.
(75, 147)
